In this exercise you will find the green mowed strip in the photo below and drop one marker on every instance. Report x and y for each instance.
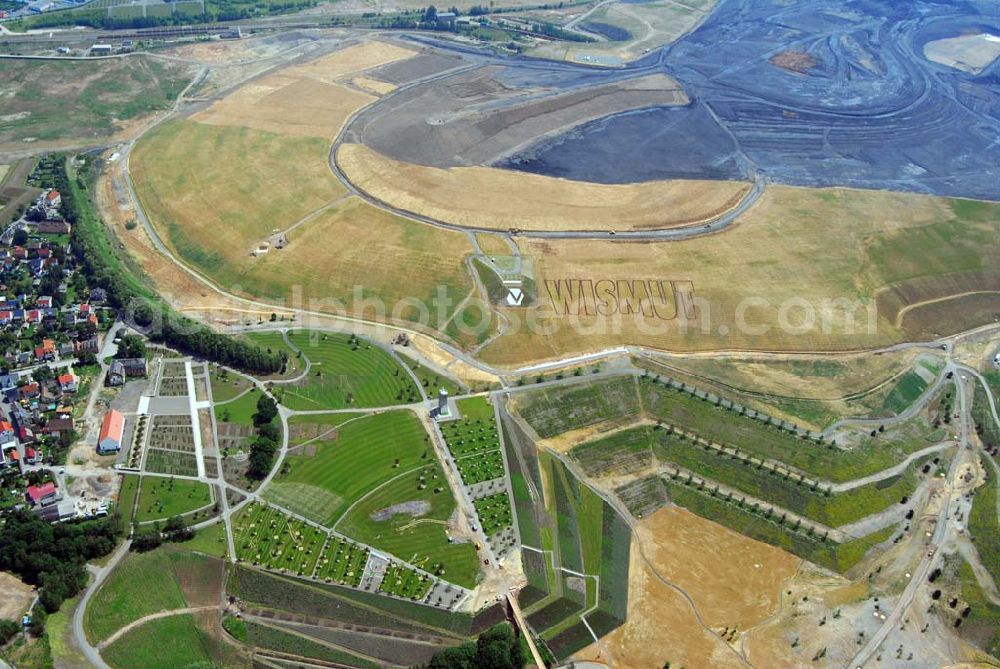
(161, 498)
(640, 446)
(366, 453)
(169, 643)
(905, 392)
(346, 372)
(126, 497)
(119, 602)
(266, 536)
(731, 428)
(209, 540)
(239, 410)
(408, 517)
(983, 523)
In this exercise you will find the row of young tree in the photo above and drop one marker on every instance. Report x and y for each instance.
(160, 323)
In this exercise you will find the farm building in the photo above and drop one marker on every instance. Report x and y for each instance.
(53, 199)
(110, 438)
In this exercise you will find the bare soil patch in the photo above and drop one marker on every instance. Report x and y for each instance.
(734, 581)
(15, 597)
(414, 509)
(661, 627)
(798, 62)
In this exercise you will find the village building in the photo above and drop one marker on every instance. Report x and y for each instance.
(110, 438)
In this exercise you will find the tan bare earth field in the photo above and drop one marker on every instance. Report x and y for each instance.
(481, 196)
(15, 597)
(661, 627)
(373, 86)
(304, 100)
(797, 291)
(734, 581)
(389, 259)
(288, 105)
(492, 244)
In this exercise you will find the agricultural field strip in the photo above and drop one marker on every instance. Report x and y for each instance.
(333, 533)
(193, 403)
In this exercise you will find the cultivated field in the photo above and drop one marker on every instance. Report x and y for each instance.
(926, 247)
(45, 102)
(480, 196)
(16, 597)
(170, 580)
(166, 643)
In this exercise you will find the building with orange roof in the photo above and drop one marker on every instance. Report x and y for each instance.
(110, 438)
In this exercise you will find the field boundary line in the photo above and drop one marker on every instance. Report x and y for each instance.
(151, 617)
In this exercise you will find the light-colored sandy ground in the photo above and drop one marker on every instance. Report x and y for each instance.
(374, 86)
(304, 100)
(661, 628)
(15, 597)
(969, 53)
(481, 196)
(734, 583)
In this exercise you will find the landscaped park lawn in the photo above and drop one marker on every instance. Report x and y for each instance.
(239, 410)
(226, 385)
(419, 538)
(161, 497)
(346, 373)
(275, 342)
(163, 643)
(310, 427)
(363, 456)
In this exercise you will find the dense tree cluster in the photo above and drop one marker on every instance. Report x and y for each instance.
(150, 537)
(496, 648)
(265, 446)
(53, 556)
(92, 251)
(131, 346)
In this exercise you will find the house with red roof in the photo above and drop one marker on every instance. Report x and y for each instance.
(67, 383)
(43, 495)
(53, 198)
(30, 455)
